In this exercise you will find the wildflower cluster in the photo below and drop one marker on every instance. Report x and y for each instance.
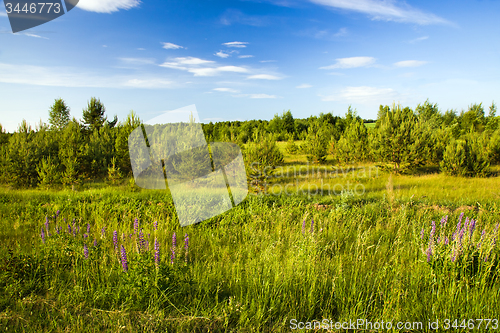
(463, 245)
(116, 247)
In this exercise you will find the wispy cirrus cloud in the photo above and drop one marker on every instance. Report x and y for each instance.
(303, 86)
(210, 68)
(171, 46)
(222, 54)
(137, 61)
(264, 77)
(74, 77)
(3, 14)
(352, 62)
(419, 39)
(234, 16)
(387, 10)
(245, 56)
(107, 6)
(363, 95)
(230, 90)
(236, 44)
(410, 63)
(236, 93)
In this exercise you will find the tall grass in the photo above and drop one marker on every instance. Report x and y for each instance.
(251, 269)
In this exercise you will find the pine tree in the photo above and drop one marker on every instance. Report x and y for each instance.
(59, 114)
(93, 115)
(399, 138)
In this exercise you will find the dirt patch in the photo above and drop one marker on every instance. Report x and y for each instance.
(321, 207)
(464, 208)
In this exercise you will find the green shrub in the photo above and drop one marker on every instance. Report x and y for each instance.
(465, 157)
(262, 156)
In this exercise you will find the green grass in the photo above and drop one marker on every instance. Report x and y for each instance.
(255, 267)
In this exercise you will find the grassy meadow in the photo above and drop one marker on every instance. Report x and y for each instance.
(379, 247)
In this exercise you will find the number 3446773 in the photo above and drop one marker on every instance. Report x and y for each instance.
(33, 8)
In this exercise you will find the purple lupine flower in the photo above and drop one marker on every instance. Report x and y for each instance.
(136, 225)
(472, 227)
(103, 231)
(115, 239)
(123, 237)
(172, 255)
(453, 257)
(78, 230)
(433, 230)
(69, 228)
(85, 236)
(85, 251)
(485, 258)
(460, 218)
(58, 212)
(438, 240)
(57, 229)
(444, 220)
(155, 225)
(157, 252)
(186, 245)
(304, 227)
(47, 225)
(446, 240)
(422, 233)
(429, 253)
(312, 225)
(147, 245)
(42, 235)
(124, 259)
(140, 242)
(95, 242)
(453, 236)
(174, 244)
(461, 236)
(88, 228)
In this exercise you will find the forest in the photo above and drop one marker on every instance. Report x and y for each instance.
(68, 151)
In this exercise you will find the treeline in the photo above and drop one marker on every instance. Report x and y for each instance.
(68, 151)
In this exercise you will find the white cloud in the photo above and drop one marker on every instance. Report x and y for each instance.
(147, 83)
(419, 39)
(223, 55)
(213, 71)
(352, 62)
(234, 91)
(259, 96)
(264, 61)
(410, 63)
(141, 49)
(107, 6)
(3, 14)
(74, 77)
(363, 95)
(171, 46)
(137, 61)
(303, 86)
(264, 77)
(188, 61)
(245, 56)
(236, 44)
(191, 65)
(387, 10)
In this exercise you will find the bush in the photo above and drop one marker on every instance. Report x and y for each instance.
(316, 142)
(352, 145)
(262, 155)
(291, 146)
(465, 157)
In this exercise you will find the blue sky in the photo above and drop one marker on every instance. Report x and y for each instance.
(251, 59)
